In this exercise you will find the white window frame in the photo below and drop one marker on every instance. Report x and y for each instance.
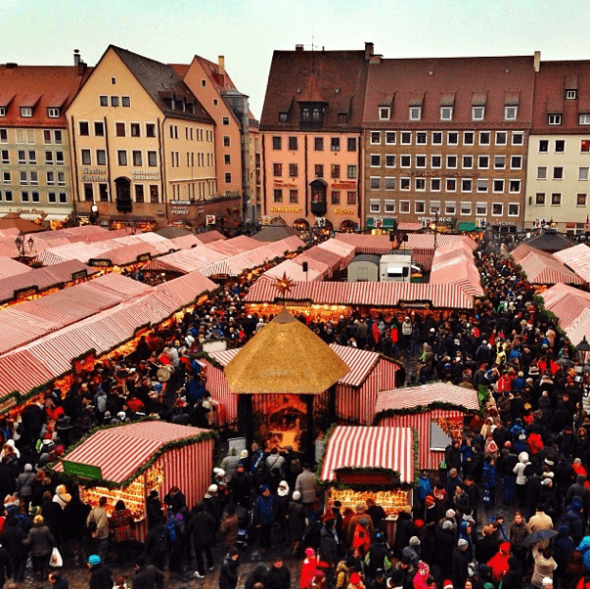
(376, 134)
(502, 209)
(432, 189)
(425, 160)
(385, 183)
(446, 113)
(463, 166)
(389, 203)
(510, 113)
(390, 155)
(405, 207)
(450, 207)
(571, 94)
(496, 138)
(510, 191)
(479, 166)
(401, 138)
(474, 112)
(512, 166)
(494, 191)
(416, 184)
(433, 142)
(421, 203)
(432, 165)
(53, 113)
(384, 113)
(489, 134)
(540, 204)
(449, 133)
(26, 112)
(374, 205)
(447, 180)
(401, 180)
(555, 146)
(415, 113)
(587, 168)
(450, 167)
(468, 204)
(487, 182)
(517, 134)
(562, 174)
(554, 119)
(401, 160)
(585, 195)
(2, 111)
(388, 135)
(501, 167)
(466, 180)
(516, 204)
(584, 119)
(484, 205)
(560, 199)
(378, 180)
(434, 207)
(425, 133)
(374, 155)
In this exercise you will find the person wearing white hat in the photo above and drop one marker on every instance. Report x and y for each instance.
(297, 514)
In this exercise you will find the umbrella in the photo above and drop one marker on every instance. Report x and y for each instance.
(539, 536)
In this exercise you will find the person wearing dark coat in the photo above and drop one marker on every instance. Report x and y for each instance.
(73, 528)
(579, 489)
(297, 515)
(256, 576)
(562, 550)
(487, 546)
(5, 566)
(228, 575)
(101, 576)
(12, 539)
(460, 563)
(377, 556)
(513, 578)
(202, 527)
(445, 544)
(42, 543)
(147, 576)
(278, 576)
(58, 581)
(404, 530)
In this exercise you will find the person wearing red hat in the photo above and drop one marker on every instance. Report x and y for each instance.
(499, 563)
(308, 568)
(356, 582)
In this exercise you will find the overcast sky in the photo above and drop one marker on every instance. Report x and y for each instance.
(247, 31)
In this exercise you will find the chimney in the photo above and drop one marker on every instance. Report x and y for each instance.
(369, 47)
(298, 47)
(537, 62)
(76, 57)
(221, 64)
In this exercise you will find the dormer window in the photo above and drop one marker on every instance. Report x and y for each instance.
(53, 113)
(571, 94)
(2, 111)
(446, 113)
(415, 113)
(554, 119)
(283, 117)
(384, 113)
(316, 115)
(305, 114)
(477, 113)
(26, 112)
(510, 113)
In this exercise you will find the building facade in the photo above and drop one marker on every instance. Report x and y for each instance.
(35, 163)
(311, 127)
(446, 139)
(559, 148)
(141, 143)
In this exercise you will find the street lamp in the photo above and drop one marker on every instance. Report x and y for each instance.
(582, 349)
(93, 214)
(20, 245)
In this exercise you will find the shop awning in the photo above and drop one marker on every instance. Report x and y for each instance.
(466, 226)
(388, 223)
(352, 447)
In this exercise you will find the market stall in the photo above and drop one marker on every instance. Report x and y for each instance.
(437, 411)
(128, 461)
(378, 463)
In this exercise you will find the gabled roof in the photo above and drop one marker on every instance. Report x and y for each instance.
(337, 78)
(40, 88)
(549, 241)
(161, 82)
(457, 82)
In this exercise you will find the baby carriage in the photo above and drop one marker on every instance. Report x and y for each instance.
(243, 525)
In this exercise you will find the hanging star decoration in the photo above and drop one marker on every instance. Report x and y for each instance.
(284, 284)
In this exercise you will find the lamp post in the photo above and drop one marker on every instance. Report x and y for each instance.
(20, 245)
(93, 214)
(583, 350)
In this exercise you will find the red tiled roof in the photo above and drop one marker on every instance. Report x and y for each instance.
(41, 87)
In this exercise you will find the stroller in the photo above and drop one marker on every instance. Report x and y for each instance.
(244, 518)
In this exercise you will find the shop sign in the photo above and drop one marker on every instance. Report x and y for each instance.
(143, 257)
(285, 209)
(356, 477)
(144, 175)
(282, 184)
(93, 175)
(30, 211)
(99, 263)
(504, 223)
(86, 471)
(7, 404)
(344, 211)
(79, 274)
(433, 219)
(344, 185)
(183, 211)
(435, 174)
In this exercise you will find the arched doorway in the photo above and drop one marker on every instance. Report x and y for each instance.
(318, 197)
(123, 192)
(301, 225)
(347, 226)
(278, 222)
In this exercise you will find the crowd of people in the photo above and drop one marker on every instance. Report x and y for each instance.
(508, 506)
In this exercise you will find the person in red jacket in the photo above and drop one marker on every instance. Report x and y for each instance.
(535, 443)
(499, 562)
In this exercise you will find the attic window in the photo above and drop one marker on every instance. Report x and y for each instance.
(2, 111)
(113, 81)
(203, 83)
(26, 112)
(337, 90)
(384, 113)
(53, 113)
(215, 102)
(316, 115)
(282, 117)
(571, 94)
(298, 90)
(126, 101)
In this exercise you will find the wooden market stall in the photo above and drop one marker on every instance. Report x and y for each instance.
(378, 463)
(128, 461)
(438, 412)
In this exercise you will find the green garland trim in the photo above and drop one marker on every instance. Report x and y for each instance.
(320, 463)
(172, 445)
(205, 356)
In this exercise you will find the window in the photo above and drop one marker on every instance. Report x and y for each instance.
(114, 101)
(543, 146)
(278, 195)
(24, 179)
(120, 129)
(482, 185)
(554, 119)
(558, 172)
(139, 193)
(517, 138)
(498, 185)
(150, 130)
(405, 161)
(86, 159)
(293, 170)
(420, 161)
(375, 137)
(499, 162)
(404, 206)
(510, 113)
(318, 143)
(450, 208)
(415, 113)
(585, 146)
(103, 100)
(453, 138)
(451, 161)
(293, 196)
(384, 113)
(583, 173)
(375, 183)
(277, 142)
(420, 207)
(484, 138)
(319, 170)
(434, 208)
(6, 178)
(277, 170)
(581, 200)
(420, 184)
(497, 209)
(50, 178)
(390, 137)
(483, 162)
(292, 143)
(350, 172)
(63, 198)
(421, 138)
(351, 197)
(24, 196)
(227, 159)
(515, 162)
(389, 206)
(477, 113)
(404, 183)
(481, 209)
(135, 130)
(559, 146)
(26, 112)
(283, 117)
(514, 186)
(406, 138)
(556, 199)
(501, 138)
(374, 206)
(466, 185)
(437, 138)
(436, 161)
(8, 195)
(84, 128)
(122, 157)
(435, 184)
(51, 198)
(584, 119)
(227, 142)
(61, 179)
(89, 192)
(390, 160)
(467, 162)
(2, 111)
(335, 144)
(451, 185)
(468, 138)
(48, 158)
(22, 156)
(389, 183)
(335, 197)
(101, 157)
(335, 171)
(154, 193)
(152, 158)
(351, 144)
(46, 136)
(375, 159)
(137, 158)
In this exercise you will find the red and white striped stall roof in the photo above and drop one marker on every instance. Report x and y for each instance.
(370, 447)
(210, 237)
(409, 226)
(545, 269)
(425, 395)
(345, 250)
(454, 263)
(186, 242)
(578, 259)
(10, 267)
(375, 294)
(572, 308)
(359, 362)
(367, 244)
(120, 451)
(294, 271)
(523, 250)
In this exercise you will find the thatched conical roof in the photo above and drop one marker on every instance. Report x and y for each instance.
(284, 357)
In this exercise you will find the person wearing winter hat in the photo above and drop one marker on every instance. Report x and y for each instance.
(499, 562)
(308, 568)
(519, 471)
(263, 516)
(460, 563)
